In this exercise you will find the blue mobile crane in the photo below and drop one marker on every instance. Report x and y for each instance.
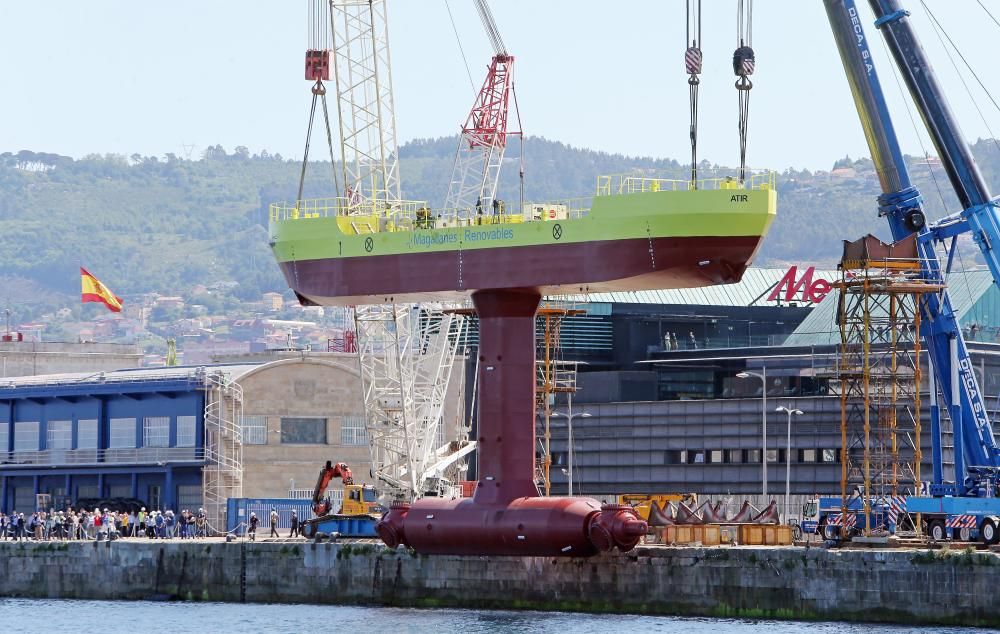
(966, 506)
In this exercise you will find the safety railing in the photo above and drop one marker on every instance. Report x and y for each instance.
(359, 217)
(632, 184)
(344, 207)
(140, 455)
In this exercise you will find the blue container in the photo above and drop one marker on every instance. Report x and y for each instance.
(239, 510)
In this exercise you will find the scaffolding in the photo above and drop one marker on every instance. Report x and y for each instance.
(223, 472)
(880, 292)
(554, 375)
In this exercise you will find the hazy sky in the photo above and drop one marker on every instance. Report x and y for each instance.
(131, 76)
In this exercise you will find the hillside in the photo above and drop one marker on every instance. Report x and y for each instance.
(149, 224)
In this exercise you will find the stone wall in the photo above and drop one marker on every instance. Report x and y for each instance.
(942, 587)
(30, 358)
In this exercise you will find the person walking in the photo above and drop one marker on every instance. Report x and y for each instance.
(253, 527)
(274, 523)
(295, 525)
(142, 521)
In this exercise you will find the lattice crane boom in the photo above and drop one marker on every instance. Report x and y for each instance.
(483, 139)
(362, 71)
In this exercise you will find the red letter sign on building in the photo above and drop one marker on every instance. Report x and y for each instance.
(812, 291)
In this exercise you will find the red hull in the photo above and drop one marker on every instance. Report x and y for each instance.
(588, 267)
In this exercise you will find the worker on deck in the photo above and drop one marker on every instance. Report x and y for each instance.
(274, 523)
(252, 523)
(295, 525)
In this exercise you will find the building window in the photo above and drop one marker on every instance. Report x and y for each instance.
(189, 496)
(734, 456)
(772, 455)
(86, 433)
(807, 455)
(675, 456)
(122, 433)
(829, 455)
(156, 431)
(715, 456)
(255, 430)
(753, 455)
(4, 437)
(59, 434)
(187, 431)
(353, 432)
(696, 457)
(26, 436)
(303, 431)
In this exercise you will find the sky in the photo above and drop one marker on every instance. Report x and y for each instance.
(152, 78)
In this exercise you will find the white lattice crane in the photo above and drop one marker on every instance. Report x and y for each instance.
(406, 353)
(484, 135)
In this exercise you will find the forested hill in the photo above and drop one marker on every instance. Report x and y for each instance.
(166, 224)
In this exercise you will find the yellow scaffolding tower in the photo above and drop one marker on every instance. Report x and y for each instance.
(880, 291)
(553, 375)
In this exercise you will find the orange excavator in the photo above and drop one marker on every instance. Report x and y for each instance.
(321, 505)
(357, 514)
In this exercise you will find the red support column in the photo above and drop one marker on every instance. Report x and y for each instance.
(506, 395)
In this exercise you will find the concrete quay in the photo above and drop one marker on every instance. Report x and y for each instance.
(901, 586)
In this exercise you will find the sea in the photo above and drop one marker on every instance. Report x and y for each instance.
(149, 617)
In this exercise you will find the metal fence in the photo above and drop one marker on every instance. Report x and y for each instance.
(140, 455)
(239, 510)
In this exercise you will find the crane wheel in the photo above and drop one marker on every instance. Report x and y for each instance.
(308, 530)
(937, 531)
(989, 530)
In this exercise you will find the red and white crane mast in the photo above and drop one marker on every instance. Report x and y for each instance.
(484, 133)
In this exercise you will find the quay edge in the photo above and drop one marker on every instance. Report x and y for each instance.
(900, 586)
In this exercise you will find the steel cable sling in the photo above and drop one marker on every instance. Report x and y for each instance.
(692, 64)
(743, 67)
(318, 69)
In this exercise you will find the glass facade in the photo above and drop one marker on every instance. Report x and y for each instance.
(86, 433)
(59, 434)
(26, 436)
(187, 431)
(156, 431)
(303, 431)
(122, 433)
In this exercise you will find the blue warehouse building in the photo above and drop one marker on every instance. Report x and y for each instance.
(124, 434)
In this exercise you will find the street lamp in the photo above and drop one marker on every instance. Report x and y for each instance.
(763, 424)
(569, 424)
(788, 455)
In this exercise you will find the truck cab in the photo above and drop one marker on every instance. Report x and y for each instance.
(361, 499)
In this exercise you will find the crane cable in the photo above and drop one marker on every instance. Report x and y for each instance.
(319, 43)
(942, 35)
(743, 66)
(692, 64)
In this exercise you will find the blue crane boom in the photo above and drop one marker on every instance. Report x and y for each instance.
(977, 456)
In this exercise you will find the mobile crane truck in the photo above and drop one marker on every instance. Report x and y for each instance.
(965, 506)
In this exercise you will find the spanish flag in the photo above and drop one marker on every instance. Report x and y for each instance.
(94, 291)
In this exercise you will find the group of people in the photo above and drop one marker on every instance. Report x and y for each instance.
(253, 521)
(102, 524)
(670, 341)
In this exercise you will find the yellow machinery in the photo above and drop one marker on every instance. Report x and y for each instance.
(642, 502)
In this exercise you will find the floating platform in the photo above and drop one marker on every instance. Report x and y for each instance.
(637, 234)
